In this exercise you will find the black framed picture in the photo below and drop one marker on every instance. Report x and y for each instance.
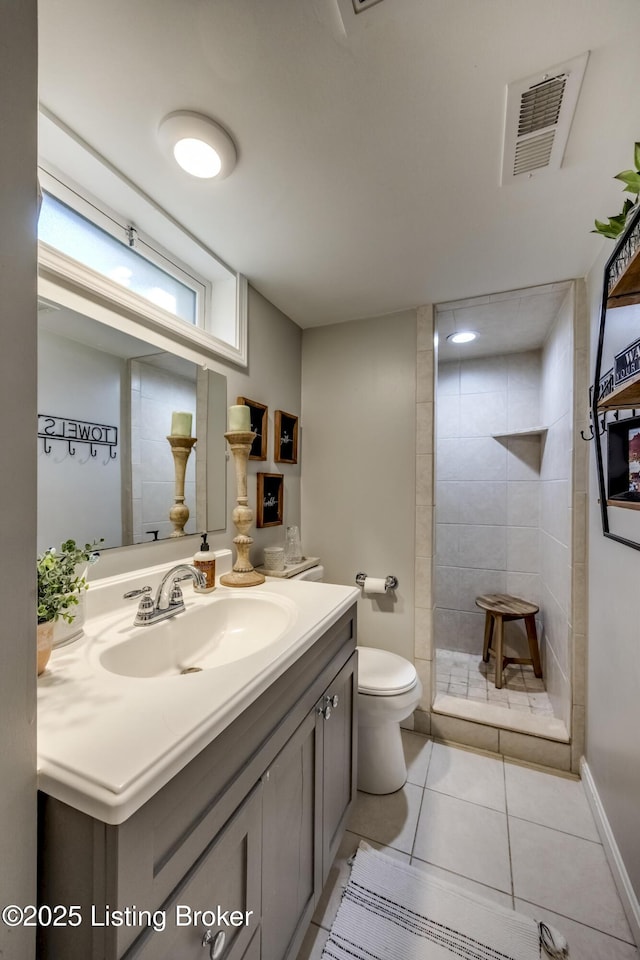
(259, 421)
(286, 437)
(270, 499)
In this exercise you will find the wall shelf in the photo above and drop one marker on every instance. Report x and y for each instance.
(625, 397)
(626, 289)
(626, 504)
(530, 432)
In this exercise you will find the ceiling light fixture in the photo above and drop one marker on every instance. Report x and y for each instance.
(198, 144)
(462, 336)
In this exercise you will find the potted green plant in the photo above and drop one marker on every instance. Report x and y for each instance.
(614, 226)
(60, 585)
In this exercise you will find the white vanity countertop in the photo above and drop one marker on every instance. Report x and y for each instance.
(107, 743)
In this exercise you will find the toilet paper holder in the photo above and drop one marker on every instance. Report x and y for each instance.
(390, 582)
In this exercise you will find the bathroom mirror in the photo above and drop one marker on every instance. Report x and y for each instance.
(105, 404)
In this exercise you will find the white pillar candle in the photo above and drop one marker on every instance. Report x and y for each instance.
(239, 419)
(181, 424)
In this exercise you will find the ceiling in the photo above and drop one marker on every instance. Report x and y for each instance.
(369, 145)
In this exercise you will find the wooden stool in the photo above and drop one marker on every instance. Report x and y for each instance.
(500, 607)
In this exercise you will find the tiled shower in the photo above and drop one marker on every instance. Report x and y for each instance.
(503, 516)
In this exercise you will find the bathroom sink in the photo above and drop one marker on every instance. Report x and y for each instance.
(220, 631)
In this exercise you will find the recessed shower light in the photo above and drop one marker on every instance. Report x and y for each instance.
(198, 144)
(462, 336)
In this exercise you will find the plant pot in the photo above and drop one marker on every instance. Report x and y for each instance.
(45, 644)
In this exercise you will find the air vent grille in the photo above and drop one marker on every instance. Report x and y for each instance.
(534, 153)
(538, 119)
(540, 106)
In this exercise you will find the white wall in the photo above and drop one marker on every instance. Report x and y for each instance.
(487, 493)
(18, 104)
(79, 383)
(613, 679)
(556, 408)
(358, 504)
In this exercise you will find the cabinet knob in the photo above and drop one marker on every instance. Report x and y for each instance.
(215, 942)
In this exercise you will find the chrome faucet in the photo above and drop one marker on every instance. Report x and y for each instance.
(168, 600)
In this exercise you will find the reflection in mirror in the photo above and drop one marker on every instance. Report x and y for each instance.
(105, 404)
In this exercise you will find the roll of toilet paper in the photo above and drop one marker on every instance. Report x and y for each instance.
(374, 585)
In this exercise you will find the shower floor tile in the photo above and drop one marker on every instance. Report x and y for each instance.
(466, 676)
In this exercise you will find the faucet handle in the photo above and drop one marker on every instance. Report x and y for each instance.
(136, 593)
(145, 607)
(176, 594)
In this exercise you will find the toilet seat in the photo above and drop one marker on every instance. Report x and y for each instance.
(384, 674)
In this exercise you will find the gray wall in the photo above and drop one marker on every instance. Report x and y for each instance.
(613, 679)
(18, 73)
(358, 502)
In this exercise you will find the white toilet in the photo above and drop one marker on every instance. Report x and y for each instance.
(388, 692)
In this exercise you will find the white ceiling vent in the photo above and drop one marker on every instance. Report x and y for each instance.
(539, 114)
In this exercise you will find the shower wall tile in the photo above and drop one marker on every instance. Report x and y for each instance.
(448, 380)
(424, 428)
(482, 415)
(523, 461)
(482, 501)
(523, 372)
(484, 375)
(483, 458)
(474, 583)
(447, 587)
(448, 417)
(482, 546)
(423, 633)
(424, 531)
(523, 504)
(447, 544)
(424, 479)
(423, 584)
(523, 412)
(424, 376)
(447, 501)
(523, 552)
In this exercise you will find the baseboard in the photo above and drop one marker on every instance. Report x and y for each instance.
(616, 863)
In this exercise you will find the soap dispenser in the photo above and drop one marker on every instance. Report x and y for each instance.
(205, 561)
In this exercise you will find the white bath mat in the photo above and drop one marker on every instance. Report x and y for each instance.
(393, 911)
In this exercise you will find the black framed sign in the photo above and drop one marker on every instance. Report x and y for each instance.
(270, 499)
(259, 421)
(286, 437)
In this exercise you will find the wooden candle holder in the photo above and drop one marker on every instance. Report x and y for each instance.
(179, 514)
(243, 573)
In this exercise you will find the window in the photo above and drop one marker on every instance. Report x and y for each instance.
(74, 235)
(96, 252)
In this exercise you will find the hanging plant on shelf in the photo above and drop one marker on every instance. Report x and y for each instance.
(614, 226)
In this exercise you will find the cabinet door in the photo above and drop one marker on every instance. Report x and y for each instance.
(339, 727)
(221, 893)
(290, 863)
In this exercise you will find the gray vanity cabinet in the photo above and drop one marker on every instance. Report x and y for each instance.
(307, 796)
(251, 825)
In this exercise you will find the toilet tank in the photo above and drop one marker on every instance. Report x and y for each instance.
(313, 573)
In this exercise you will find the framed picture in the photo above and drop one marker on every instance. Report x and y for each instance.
(286, 437)
(270, 499)
(258, 426)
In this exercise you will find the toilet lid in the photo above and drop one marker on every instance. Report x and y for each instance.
(384, 674)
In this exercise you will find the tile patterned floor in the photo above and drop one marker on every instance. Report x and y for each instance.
(521, 837)
(465, 675)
